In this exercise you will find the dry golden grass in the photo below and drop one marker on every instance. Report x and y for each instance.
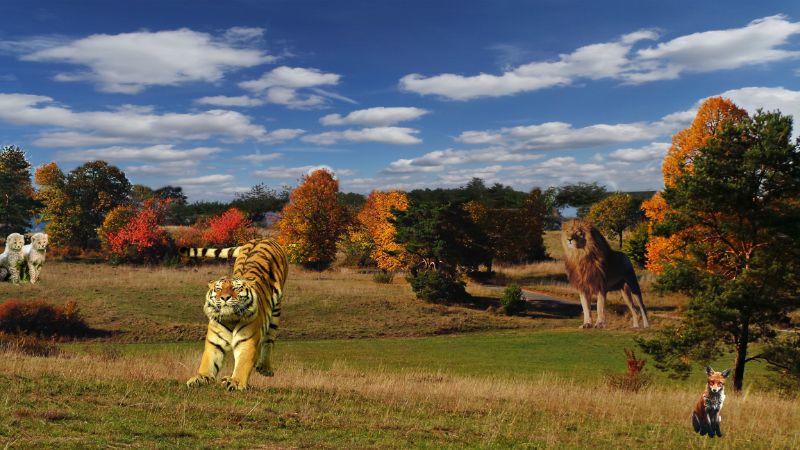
(448, 410)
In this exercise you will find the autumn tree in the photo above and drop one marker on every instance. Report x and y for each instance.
(735, 209)
(17, 203)
(76, 204)
(313, 220)
(712, 115)
(229, 229)
(615, 214)
(141, 239)
(376, 217)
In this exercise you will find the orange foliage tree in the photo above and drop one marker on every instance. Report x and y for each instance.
(228, 229)
(313, 220)
(713, 114)
(375, 217)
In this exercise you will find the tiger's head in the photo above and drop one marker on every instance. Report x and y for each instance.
(230, 300)
(39, 241)
(15, 242)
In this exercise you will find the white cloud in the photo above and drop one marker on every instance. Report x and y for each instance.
(760, 41)
(558, 135)
(650, 152)
(243, 35)
(162, 152)
(224, 100)
(126, 124)
(291, 173)
(164, 168)
(130, 62)
(387, 135)
(282, 86)
(594, 61)
(375, 117)
(436, 161)
(769, 99)
(74, 139)
(204, 180)
(260, 157)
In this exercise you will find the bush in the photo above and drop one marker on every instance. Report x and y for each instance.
(383, 277)
(188, 236)
(513, 301)
(437, 286)
(41, 319)
(634, 379)
(229, 229)
(115, 220)
(636, 245)
(142, 239)
(27, 345)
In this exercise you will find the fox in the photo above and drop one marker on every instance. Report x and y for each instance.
(705, 417)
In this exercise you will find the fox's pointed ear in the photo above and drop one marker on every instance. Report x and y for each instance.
(726, 373)
(709, 370)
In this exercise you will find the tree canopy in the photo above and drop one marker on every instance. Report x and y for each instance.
(17, 203)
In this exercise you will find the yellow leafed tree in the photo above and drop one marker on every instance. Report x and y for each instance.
(713, 114)
(375, 219)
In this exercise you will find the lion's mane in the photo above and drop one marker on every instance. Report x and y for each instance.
(586, 267)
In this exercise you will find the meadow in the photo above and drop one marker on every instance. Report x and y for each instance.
(360, 365)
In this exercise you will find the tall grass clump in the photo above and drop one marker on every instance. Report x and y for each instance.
(38, 318)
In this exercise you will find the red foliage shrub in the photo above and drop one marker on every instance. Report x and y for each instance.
(188, 236)
(228, 229)
(42, 319)
(142, 239)
(27, 345)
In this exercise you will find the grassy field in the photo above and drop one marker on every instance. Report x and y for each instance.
(360, 365)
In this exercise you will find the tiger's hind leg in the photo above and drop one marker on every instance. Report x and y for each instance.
(264, 364)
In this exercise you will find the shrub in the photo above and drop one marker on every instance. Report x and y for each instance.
(636, 245)
(41, 319)
(634, 379)
(142, 239)
(513, 301)
(357, 248)
(27, 345)
(188, 236)
(228, 229)
(115, 220)
(383, 277)
(437, 286)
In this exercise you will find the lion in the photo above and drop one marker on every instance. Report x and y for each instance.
(593, 268)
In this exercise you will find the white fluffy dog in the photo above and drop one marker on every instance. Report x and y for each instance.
(12, 259)
(34, 254)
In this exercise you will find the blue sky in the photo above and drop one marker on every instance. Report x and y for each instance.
(218, 96)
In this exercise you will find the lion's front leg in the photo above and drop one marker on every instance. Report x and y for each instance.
(210, 363)
(244, 354)
(587, 311)
(601, 310)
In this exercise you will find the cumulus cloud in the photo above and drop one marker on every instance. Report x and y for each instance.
(224, 100)
(437, 160)
(162, 152)
(760, 41)
(769, 99)
(129, 124)
(558, 135)
(164, 168)
(375, 117)
(291, 173)
(128, 63)
(650, 152)
(386, 135)
(205, 180)
(260, 157)
(283, 86)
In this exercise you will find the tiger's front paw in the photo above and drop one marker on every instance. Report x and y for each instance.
(199, 380)
(232, 384)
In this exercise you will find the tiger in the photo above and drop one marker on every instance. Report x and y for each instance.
(243, 311)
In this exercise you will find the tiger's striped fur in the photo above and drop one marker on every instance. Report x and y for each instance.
(243, 311)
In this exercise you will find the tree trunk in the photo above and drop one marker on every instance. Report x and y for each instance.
(620, 240)
(741, 355)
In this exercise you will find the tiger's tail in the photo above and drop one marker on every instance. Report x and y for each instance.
(213, 253)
